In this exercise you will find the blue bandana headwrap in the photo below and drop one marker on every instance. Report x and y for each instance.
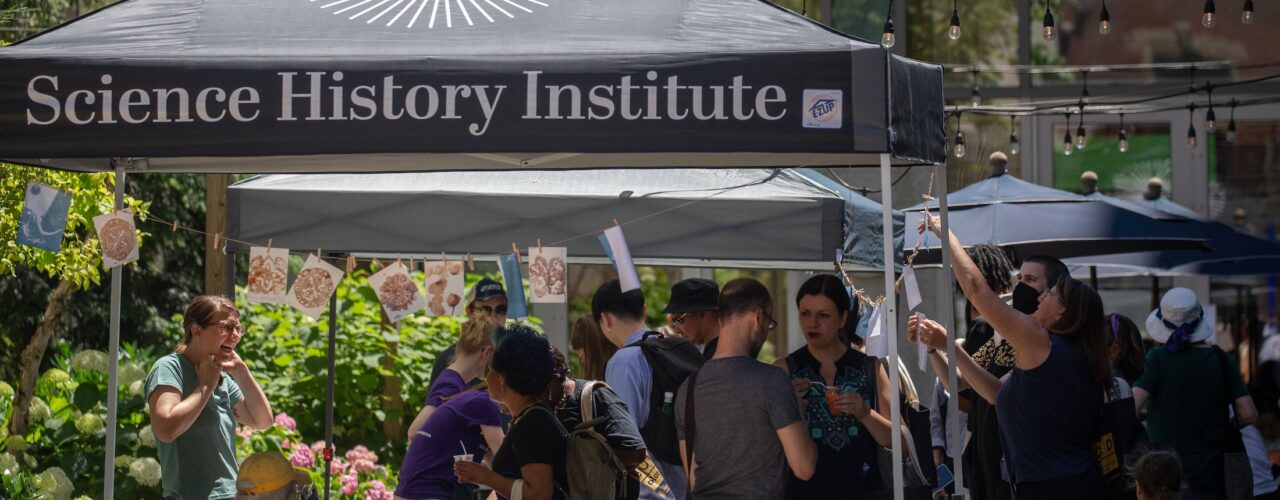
(1180, 336)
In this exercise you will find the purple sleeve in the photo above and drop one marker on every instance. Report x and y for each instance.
(481, 410)
(450, 385)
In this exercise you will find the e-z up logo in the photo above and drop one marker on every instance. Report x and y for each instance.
(822, 108)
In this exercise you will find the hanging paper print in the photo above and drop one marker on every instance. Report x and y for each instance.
(44, 217)
(315, 283)
(615, 246)
(547, 275)
(268, 275)
(446, 282)
(117, 237)
(397, 291)
(509, 263)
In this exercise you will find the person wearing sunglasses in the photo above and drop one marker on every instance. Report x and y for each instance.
(196, 395)
(488, 302)
(693, 310)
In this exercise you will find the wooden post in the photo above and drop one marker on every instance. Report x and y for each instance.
(215, 222)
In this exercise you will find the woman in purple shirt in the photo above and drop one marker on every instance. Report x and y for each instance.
(474, 351)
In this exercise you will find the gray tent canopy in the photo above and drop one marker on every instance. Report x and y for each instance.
(760, 218)
(357, 86)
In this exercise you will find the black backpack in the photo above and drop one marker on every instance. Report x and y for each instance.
(672, 359)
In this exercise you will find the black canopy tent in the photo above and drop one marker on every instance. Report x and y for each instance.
(417, 85)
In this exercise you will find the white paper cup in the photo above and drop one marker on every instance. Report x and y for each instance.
(464, 458)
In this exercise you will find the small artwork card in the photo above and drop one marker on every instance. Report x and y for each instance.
(44, 217)
(912, 287)
(315, 283)
(117, 237)
(547, 275)
(268, 275)
(397, 291)
(445, 287)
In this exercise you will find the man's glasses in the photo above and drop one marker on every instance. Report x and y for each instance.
(679, 319)
(491, 311)
(772, 323)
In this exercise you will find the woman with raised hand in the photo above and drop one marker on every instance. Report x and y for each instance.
(837, 386)
(196, 395)
(1050, 405)
(531, 460)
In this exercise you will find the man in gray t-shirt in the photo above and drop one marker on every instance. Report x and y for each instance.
(747, 423)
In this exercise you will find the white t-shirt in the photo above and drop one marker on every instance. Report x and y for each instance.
(1263, 483)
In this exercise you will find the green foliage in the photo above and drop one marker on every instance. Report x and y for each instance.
(33, 16)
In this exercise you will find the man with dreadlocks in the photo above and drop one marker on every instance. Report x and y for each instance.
(982, 455)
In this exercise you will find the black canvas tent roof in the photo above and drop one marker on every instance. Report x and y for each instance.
(399, 85)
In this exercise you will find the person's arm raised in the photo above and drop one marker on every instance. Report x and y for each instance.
(1029, 340)
(171, 414)
(932, 334)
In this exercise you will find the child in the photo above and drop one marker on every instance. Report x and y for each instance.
(1158, 476)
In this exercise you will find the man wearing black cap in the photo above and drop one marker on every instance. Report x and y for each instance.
(490, 300)
(694, 310)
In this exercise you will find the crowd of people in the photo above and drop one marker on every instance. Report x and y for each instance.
(1057, 397)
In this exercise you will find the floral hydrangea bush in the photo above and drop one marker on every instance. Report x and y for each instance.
(355, 473)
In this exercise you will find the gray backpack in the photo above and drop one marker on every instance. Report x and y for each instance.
(594, 470)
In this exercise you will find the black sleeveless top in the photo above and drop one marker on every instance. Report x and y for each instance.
(847, 465)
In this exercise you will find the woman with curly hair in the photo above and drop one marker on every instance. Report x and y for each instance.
(531, 460)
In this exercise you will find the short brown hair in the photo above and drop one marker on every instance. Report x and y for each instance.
(1158, 474)
(201, 312)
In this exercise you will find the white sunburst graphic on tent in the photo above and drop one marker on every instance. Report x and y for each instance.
(429, 14)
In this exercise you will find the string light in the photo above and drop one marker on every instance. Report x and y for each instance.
(1104, 20)
(1209, 119)
(954, 32)
(1050, 32)
(1080, 129)
(888, 39)
(976, 98)
(1246, 17)
(1231, 124)
(1014, 145)
(1066, 139)
(1124, 138)
(959, 139)
(1210, 19)
(1191, 126)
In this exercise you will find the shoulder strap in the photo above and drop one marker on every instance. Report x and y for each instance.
(588, 401)
(646, 336)
(690, 426)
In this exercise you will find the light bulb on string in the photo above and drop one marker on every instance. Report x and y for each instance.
(1014, 145)
(1080, 129)
(1191, 126)
(959, 149)
(1210, 124)
(888, 40)
(1209, 19)
(1050, 31)
(1246, 16)
(1104, 20)
(1124, 138)
(1067, 146)
(954, 31)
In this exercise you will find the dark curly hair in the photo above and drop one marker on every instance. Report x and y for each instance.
(523, 358)
(995, 267)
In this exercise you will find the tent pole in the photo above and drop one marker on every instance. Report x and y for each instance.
(113, 368)
(891, 325)
(328, 406)
(948, 318)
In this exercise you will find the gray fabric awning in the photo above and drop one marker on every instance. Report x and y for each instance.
(762, 218)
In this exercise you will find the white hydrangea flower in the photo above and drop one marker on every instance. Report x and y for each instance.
(55, 483)
(135, 388)
(56, 377)
(89, 359)
(90, 424)
(146, 437)
(124, 461)
(6, 390)
(146, 471)
(130, 373)
(15, 444)
(8, 463)
(30, 460)
(40, 410)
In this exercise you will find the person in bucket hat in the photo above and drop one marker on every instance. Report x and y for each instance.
(1186, 389)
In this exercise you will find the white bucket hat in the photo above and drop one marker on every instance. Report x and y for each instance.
(1179, 309)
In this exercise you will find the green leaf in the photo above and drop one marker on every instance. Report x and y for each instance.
(87, 396)
(283, 360)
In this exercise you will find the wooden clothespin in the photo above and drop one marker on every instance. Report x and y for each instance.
(411, 263)
(615, 222)
(318, 252)
(351, 263)
(444, 258)
(217, 237)
(269, 240)
(539, 245)
(175, 225)
(471, 262)
(398, 258)
(377, 263)
(516, 250)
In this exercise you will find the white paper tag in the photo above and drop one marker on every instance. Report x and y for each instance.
(912, 287)
(876, 342)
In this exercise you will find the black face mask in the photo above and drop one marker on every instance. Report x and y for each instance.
(1025, 299)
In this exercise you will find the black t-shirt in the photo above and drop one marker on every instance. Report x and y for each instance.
(535, 438)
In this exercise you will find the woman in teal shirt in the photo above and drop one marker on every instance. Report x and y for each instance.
(196, 395)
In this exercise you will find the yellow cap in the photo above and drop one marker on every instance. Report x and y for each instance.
(264, 472)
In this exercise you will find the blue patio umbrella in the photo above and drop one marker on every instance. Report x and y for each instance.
(1026, 219)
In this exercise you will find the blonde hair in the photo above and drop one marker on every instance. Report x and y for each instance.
(201, 312)
(476, 335)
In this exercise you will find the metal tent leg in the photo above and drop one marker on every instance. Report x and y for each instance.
(948, 319)
(113, 354)
(328, 405)
(891, 327)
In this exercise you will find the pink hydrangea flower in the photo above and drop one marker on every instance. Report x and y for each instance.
(337, 467)
(363, 465)
(302, 457)
(284, 420)
(349, 484)
(245, 432)
(317, 448)
(360, 452)
(378, 491)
